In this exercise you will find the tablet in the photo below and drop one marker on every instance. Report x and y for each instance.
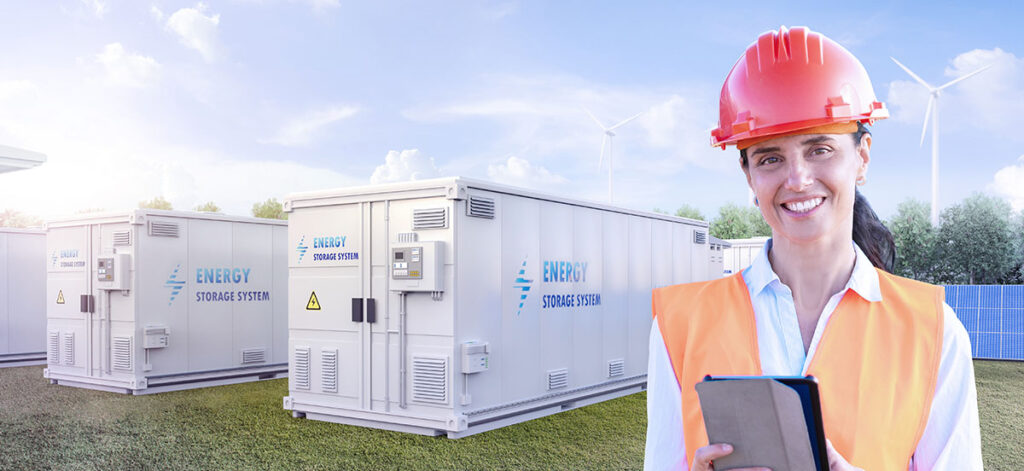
(807, 388)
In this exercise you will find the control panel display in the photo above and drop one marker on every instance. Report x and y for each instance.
(105, 269)
(407, 263)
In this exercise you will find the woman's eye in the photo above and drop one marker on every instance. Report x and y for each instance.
(821, 151)
(768, 160)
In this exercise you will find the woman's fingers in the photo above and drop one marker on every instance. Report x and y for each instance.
(706, 454)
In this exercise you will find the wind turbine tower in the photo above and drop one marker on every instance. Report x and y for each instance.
(607, 140)
(933, 104)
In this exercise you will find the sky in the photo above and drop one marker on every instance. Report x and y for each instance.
(238, 101)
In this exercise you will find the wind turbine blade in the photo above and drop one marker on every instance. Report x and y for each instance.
(626, 120)
(927, 114)
(601, 159)
(905, 69)
(951, 82)
(595, 120)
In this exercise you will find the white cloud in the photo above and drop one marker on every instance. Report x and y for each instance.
(156, 13)
(1009, 183)
(409, 164)
(991, 100)
(98, 7)
(15, 88)
(520, 172)
(125, 68)
(196, 30)
(301, 131)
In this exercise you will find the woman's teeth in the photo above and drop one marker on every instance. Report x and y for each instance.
(804, 206)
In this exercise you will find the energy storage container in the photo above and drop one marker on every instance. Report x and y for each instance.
(741, 253)
(455, 306)
(151, 301)
(22, 297)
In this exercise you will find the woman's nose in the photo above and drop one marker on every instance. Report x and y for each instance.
(799, 177)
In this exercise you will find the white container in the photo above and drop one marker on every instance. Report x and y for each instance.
(741, 254)
(22, 297)
(454, 306)
(716, 259)
(165, 300)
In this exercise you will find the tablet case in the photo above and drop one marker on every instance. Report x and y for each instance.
(761, 418)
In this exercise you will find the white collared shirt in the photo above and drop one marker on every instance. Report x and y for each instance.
(952, 437)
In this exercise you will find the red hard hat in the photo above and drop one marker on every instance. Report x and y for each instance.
(791, 80)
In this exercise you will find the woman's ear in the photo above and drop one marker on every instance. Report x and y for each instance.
(864, 151)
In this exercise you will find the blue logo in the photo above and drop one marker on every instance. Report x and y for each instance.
(301, 248)
(174, 284)
(523, 285)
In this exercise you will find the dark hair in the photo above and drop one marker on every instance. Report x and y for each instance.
(868, 231)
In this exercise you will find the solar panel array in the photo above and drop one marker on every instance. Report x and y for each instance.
(993, 316)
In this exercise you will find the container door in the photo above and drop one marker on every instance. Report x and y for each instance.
(68, 326)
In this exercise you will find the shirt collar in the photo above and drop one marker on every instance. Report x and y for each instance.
(863, 280)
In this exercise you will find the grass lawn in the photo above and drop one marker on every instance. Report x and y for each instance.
(244, 426)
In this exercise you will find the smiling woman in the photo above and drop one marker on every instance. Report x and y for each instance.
(892, 361)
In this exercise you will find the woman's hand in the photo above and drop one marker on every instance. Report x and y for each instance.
(836, 462)
(705, 454)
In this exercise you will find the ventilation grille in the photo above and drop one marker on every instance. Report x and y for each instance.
(616, 368)
(254, 355)
(700, 237)
(123, 353)
(558, 378)
(163, 229)
(430, 379)
(53, 348)
(122, 238)
(300, 377)
(480, 207)
(69, 348)
(408, 237)
(435, 218)
(329, 370)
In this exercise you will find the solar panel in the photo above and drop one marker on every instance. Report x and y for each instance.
(993, 316)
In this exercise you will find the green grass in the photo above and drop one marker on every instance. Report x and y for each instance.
(243, 426)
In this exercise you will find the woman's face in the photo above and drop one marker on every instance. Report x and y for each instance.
(806, 184)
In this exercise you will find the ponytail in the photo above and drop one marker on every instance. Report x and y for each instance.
(873, 238)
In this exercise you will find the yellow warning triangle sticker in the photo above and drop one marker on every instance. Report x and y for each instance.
(313, 304)
(60, 296)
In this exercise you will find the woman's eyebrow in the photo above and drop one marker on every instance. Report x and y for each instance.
(816, 140)
(764, 150)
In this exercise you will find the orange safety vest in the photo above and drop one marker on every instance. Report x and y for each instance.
(876, 362)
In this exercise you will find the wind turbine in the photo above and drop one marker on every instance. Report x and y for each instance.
(608, 135)
(933, 104)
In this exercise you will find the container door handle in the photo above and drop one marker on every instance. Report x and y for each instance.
(87, 303)
(371, 310)
(357, 309)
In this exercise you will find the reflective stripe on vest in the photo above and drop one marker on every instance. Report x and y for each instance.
(876, 363)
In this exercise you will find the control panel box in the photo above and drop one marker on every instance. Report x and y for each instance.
(417, 266)
(475, 357)
(113, 271)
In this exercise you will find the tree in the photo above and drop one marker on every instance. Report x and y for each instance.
(687, 211)
(208, 207)
(914, 236)
(974, 243)
(156, 203)
(270, 209)
(737, 222)
(1016, 274)
(12, 218)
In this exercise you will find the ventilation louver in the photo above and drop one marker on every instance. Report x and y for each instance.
(430, 379)
(329, 370)
(700, 237)
(163, 229)
(300, 377)
(616, 368)
(122, 238)
(254, 355)
(558, 378)
(433, 218)
(123, 353)
(53, 348)
(405, 237)
(69, 348)
(480, 207)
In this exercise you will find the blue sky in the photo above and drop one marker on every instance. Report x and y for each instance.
(237, 101)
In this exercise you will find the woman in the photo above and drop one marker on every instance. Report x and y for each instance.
(892, 360)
